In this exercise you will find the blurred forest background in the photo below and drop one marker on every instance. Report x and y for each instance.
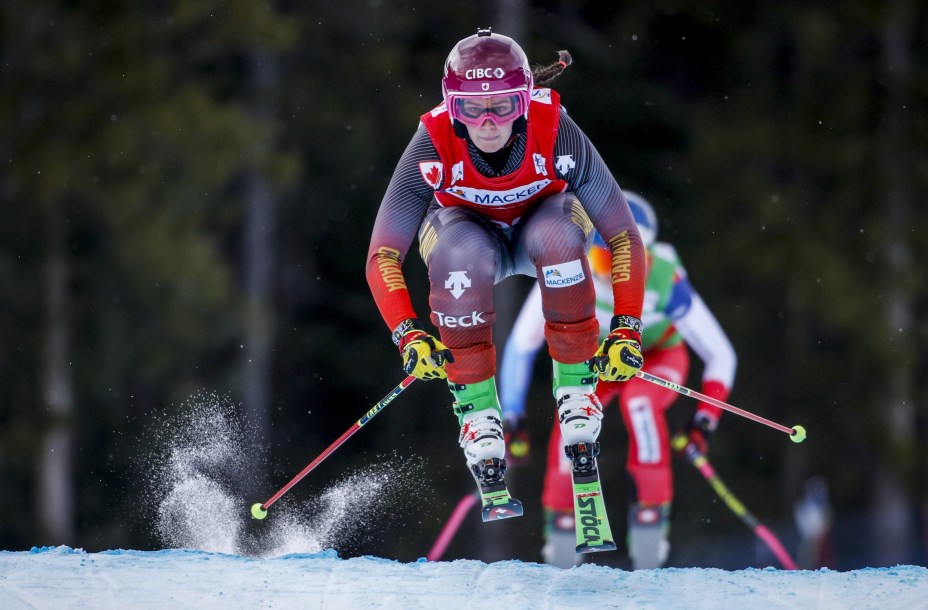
(186, 198)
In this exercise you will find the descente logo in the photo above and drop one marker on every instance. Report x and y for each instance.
(484, 73)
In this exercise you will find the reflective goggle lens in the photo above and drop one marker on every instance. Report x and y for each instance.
(500, 109)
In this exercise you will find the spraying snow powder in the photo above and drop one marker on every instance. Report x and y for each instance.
(197, 480)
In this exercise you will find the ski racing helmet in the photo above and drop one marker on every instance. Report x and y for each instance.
(487, 64)
(644, 215)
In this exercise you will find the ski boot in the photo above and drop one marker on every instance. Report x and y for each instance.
(559, 549)
(477, 408)
(648, 528)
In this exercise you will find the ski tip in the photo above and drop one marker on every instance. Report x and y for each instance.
(798, 434)
(508, 510)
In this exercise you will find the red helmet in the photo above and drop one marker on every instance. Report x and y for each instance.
(487, 64)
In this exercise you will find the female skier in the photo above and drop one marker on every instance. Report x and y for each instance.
(498, 180)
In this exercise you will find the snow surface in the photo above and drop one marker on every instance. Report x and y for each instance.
(216, 557)
(61, 577)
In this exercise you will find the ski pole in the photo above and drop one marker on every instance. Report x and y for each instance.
(451, 527)
(797, 434)
(259, 511)
(694, 456)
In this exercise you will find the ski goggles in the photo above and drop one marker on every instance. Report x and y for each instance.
(473, 110)
(600, 258)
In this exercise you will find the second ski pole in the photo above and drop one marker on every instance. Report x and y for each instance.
(797, 434)
(694, 456)
(451, 527)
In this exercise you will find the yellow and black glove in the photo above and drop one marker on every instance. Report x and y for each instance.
(619, 357)
(424, 356)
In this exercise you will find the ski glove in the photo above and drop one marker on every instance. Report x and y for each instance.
(518, 443)
(424, 356)
(619, 357)
(701, 428)
(706, 418)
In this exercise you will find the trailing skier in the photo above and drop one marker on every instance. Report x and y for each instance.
(496, 181)
(674, 317)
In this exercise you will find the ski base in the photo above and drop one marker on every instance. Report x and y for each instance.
(590, 519)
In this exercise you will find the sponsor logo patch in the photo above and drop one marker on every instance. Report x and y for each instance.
(563, 275)
(539, 164)
(457, 172)
(542, 95)
(465, 321)
(498, 198)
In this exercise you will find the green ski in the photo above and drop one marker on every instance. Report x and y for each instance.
(590, 518)
(494, 495)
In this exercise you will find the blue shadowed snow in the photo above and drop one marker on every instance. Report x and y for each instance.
(290, 562)
(61, 577)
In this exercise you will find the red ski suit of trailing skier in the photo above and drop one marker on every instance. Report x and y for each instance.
(477, 226)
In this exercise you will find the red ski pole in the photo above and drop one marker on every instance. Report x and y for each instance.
(688, 449)
(451, 527)
(797, 434)
(259, 511)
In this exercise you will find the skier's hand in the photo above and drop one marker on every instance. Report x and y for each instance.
(619, 357)
(518, 443)
(701, 428)
(424, 356)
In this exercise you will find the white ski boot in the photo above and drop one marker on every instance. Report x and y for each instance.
(580, 414)
(648, 528)
(560, 540)
(481, 437)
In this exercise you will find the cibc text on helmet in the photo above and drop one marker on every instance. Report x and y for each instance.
(477, 73)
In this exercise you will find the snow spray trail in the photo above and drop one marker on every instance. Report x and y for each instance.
(202, 458)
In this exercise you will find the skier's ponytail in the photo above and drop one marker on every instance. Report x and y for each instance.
(545, 75)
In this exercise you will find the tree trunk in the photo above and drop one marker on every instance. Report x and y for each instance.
(259, 263)
(56, 487)
(892, 506)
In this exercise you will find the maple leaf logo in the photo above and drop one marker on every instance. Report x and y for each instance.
(432, 173)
